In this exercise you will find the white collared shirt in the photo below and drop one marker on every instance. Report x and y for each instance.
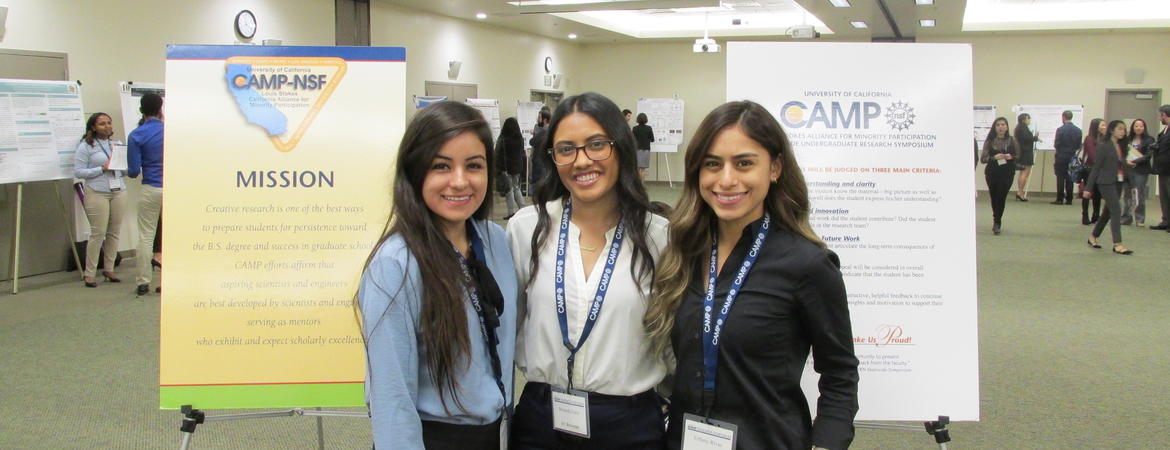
(616, 358)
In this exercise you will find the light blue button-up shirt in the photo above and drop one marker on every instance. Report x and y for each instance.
(88, 162)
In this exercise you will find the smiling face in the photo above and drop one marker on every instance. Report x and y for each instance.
(1102, 128)
(104, 127)
(587, 180)
(1139, 127)
(456, 181)
(735, 177)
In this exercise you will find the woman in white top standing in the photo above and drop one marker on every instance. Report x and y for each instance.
(585, 254)
(105, 196)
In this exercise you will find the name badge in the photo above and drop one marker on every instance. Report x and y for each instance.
(116, 184)
(707, 434)
(1001, 161)
(570, 411)
(1120, 178)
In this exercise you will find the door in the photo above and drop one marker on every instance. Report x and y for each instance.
(1129, 104)
(549, 98)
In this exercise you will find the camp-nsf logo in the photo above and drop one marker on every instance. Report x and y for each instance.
(846, 115)
(282, 95)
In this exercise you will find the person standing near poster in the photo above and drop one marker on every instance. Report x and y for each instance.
(144, 157)
(585, 256)
(999, 153)
(105, 196)
(1024, 163)
(746, 289)
(438, 345)
(1066, 143)
(643, 136)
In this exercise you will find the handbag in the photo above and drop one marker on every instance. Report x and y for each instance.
(1076, 165)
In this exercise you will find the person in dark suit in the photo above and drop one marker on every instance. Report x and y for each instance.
(1160, 165)
(1066, 143)
(1108, 174)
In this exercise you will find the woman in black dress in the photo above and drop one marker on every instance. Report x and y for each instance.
(1024, 163)
(999, 153)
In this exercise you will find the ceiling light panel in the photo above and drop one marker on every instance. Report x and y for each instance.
(840, 3)
(990, 15)
(771, 17)
(926, 22)
(858, 24)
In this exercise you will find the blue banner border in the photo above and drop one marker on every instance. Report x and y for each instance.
(343, 52)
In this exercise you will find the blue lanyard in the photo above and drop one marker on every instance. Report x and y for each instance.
(711, 331)
(602, 286)
(489, 336)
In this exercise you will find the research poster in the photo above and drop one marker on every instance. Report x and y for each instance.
(41, 123)
(277, 186)
(130, 97)
(527, 113)
(984, 117)
(490, 108)
(1046, 119)
(665, 117)
(891, 194)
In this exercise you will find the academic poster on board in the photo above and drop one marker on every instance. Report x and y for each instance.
(41, 123)
(276, 186)
(887, 160)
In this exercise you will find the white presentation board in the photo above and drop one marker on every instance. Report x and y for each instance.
(130, 96)
(527, 114)
(984, 116)
(1046, 119)
(891, 196)
(491, 111)
(41, 123)
(665, 117)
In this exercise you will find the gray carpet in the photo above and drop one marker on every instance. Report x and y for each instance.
(1072, 353)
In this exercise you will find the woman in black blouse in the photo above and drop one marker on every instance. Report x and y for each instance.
(643, 137)
(744, 216)
(1024, 163)
(999, 153)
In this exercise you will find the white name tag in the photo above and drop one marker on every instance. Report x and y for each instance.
(707, 434)
(570, 411)
(1001, 161)
(116, 184)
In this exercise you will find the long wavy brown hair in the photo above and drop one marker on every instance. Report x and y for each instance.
(694, 224)
(443, 319)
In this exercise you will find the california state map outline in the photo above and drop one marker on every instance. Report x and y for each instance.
(256, 108)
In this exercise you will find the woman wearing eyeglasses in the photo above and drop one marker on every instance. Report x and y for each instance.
(585, 255)
(437, 296)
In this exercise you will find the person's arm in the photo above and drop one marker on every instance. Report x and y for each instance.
(81, 161)
(1058, 140)
(650, 132)
(519, 245)
(133, 157)
(388, 322)
(825, 313)
(985, 155)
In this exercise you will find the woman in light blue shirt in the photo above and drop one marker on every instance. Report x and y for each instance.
(438, 295)
(105, 196)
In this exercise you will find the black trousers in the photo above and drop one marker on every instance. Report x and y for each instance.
(449, 436)
(1064, 183)
(1112, 194)
(615, 422)
(999, 183)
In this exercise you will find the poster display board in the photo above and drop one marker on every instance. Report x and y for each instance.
(527, 113)
(270, 217)
(130, 97)
(41, 123)
(984, 116)
(893, 199)
(665, 117)
(490, 109)
(1046, 119)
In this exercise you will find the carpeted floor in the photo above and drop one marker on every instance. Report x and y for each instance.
(1072, 353)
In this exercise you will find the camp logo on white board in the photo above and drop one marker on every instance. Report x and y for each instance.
(282, 95)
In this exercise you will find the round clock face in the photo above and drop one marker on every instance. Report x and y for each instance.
(547, 64)
(246, 24)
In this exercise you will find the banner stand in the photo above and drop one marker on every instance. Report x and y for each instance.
(194, 417)
(16, 235)
(936, 428)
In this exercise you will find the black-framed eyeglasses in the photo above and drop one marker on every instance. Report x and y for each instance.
(565, 154)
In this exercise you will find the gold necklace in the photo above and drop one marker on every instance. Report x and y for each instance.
(588, 249)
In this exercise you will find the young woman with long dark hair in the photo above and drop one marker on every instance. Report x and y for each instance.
(585, 253)
(105, 196)
(1096, 134)
(438, 295)
(510, 152)
(1137, 183)
(1107, 177)
(999, 153)
(746, 290)
(1024, 163)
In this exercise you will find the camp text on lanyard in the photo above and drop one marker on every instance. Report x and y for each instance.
(489, 336)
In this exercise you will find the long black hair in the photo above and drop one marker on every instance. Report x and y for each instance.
(1094, 127)
(443, 319)
(90, 132)
(633, 203)
(1021, 128)
(1145, 131)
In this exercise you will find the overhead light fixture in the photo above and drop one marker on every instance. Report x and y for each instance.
(572, 35)
(923, 2)
(840, 3)
(926, 22)
(480, 16)
(858, 24)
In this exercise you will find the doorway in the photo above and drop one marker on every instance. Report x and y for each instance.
(548, 98)
(456, 92)
(1129, 104)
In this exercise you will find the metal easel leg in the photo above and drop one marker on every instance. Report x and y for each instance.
(16, 241)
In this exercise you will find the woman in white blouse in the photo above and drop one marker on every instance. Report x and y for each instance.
(105, 196)
(585, 254)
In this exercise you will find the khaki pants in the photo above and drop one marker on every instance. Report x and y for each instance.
(105, 211)
(149, 206)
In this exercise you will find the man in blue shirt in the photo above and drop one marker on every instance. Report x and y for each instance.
(1067, 142)
(144, 156)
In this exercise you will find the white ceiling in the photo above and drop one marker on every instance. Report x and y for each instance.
(612, 21)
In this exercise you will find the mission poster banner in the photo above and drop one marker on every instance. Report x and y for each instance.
(276, 186)
(883, 135)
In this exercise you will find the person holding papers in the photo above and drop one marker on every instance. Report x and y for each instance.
(437, 297)
(1000, 151)
(145, 156)
(585, 256)
(744, 292)
(105, 196)
(1137, 184)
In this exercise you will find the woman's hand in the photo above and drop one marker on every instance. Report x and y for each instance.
(1086, 194)
(1007, 156)
(106, 166)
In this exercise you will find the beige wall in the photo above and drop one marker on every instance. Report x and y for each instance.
(1009, 70)
(505, 64)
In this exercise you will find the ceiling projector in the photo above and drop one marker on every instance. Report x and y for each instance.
(705, 45)
(803, 32)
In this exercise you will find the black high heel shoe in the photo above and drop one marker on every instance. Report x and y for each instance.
(155, 263)
(1022, 199)
(111, 278)
(143, 289)
(89, 284)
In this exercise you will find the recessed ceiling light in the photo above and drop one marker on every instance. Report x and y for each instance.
(572, 35)
(858, 24)
(840, 3)
(480, 16)
(923, 2)
(926, 22)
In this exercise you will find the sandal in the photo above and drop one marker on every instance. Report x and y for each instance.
(1122, 252)
(1093, 244)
